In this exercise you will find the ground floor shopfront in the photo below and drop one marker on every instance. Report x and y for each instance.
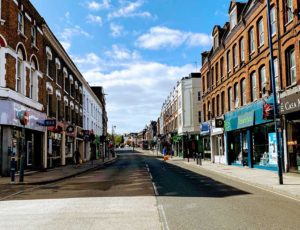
(249, 139)
(290, 111)
(16, 139)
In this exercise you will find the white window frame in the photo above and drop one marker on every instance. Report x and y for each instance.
(33, 35)
(233, 18)
(236, 95)
(262, 79)
(253, 86)
(32, 87)
(229, 99)
(251, 41)
(292, 65)
(273, 21)
(235, 53)
(228, 63)
(243, 91)
(20, 73)
(20, 22)
(290, 11)
(261, 32)
(242, 52)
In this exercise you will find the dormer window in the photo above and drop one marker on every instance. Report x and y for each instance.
(216, 41)
(233, 18)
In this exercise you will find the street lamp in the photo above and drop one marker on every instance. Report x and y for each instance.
(279, 160)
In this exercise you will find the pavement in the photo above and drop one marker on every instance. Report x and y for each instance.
(263, 179)
(56, 174)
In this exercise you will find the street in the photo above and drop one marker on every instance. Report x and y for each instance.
(123, 195)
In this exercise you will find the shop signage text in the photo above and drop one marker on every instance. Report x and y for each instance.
(246, 120)
(290, 103)
(47, 123)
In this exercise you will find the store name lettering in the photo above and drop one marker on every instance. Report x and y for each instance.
(292, 105)
(245, 120)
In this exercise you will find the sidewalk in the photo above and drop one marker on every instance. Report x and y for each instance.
(57, 174)
(263, 179)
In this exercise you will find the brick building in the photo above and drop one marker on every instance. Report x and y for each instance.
(40, 80)
(236, 80)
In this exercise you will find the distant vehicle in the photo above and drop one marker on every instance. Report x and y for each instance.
(145, 145)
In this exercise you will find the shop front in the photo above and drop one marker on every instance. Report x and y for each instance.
(290, 109)
(70, 138)
(16, 138)
(205, 138)
(250, 140)
(217, 141)
(55, 136)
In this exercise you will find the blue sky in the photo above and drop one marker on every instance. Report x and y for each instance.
(136, 49)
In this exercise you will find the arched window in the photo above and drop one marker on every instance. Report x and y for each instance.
(236, 95)
(290, 66)
(229, 97)
(33, 80)
(253, 86)
(262, 80)
(242, 53)
(251, 40)
(261, 33)
(243, 92)
(235, 53)
(20, 72)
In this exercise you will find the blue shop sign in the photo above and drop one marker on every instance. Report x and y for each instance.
(204, 128)
(246, 116)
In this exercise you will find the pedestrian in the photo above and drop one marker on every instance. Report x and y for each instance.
(165, 153)
(77, 157)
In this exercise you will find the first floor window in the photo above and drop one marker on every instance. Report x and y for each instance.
(291, 66)
(253, 86)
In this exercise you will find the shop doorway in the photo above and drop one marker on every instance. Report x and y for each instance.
(293, 145)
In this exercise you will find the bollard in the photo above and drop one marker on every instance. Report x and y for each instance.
(200, 158)
(197, 156)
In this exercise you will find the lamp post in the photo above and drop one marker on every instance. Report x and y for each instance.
(275, 106)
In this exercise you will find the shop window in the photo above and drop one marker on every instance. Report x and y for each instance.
(293, 145)
(253, 86)
(291, 66)
(264, 145)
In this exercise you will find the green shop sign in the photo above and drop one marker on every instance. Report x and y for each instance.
(245, 120)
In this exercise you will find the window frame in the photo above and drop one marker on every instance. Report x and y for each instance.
(21, 26)
(261, 32)
(253, 87)
(251, 40)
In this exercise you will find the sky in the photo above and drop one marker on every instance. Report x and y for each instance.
(136, 49)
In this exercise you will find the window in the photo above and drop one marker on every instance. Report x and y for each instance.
(262, 80)
(253, 86)
(288, 13)
(33, 35)
(20, 81)
(212, 76)
(221, 67)
(229, 98)
(49, 105)
(217, 72)
(291, 66)
(261, 35)
(208, 111)
(276, 75)
(203, 85)
(217, 105)
(251, 41)
(33, 81)
(233, 20)
(204, 112)
(235, 52)
(243, 92)
(236, 95)
(207, 82)
(242, 54)
(199, 96)
(223, 102)
(199, 116)
(216, 41)
(213, 108)
(228, 61)
(273, 21)
(20, 23)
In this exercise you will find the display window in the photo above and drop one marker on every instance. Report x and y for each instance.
(293, 145)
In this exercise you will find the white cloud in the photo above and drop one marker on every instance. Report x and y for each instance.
(120, 53)
(130, 10)
(99, 6)
(162, 37)
(116, 30)
(67, 34)
(94, 19)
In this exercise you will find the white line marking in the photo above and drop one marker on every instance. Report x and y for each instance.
(155, 189)
(163, 216)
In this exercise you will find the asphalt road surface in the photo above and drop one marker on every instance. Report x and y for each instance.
(140, 191)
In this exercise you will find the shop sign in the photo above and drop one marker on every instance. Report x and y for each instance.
(47, 123)
(245, 120)
(70, 129)
(219, 123)
(290, 103)
(204, 128)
